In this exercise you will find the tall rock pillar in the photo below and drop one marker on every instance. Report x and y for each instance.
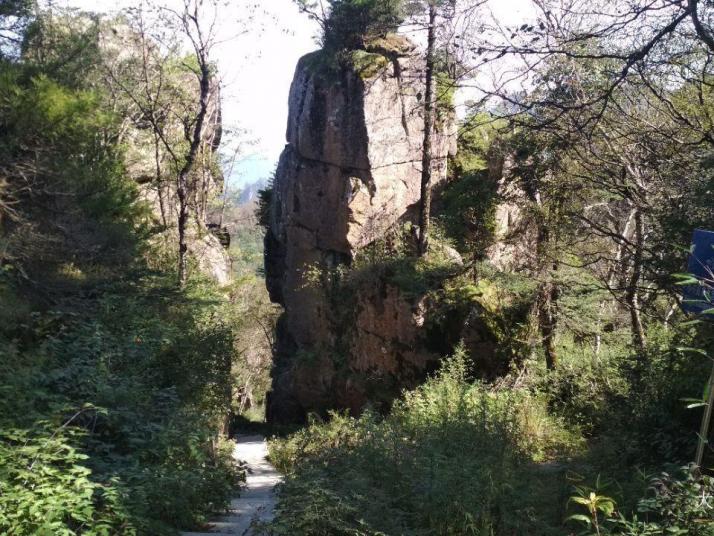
(349, 173)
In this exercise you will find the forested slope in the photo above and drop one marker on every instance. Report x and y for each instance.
(114, 382)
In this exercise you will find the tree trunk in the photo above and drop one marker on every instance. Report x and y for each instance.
(183, 246)
(547, 322)
(632, 296)
(182, 187)
(159, 181)
(612, 276)
(547, 298)
(425, 199)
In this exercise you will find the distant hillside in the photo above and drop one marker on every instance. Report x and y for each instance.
(249, 170)
(249, 193)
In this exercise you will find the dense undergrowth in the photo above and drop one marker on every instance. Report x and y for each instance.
(114, 383)
(453, 457)
(457, 456)
(109, 401)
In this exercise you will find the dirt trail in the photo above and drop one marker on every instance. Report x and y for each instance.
(257, 497)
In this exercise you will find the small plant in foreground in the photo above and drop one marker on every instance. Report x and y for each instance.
(599, 507)
(675, 505)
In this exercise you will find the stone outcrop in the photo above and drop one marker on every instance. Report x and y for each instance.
(210, 256)
(514, 231)
(148, 161)
(350, 172)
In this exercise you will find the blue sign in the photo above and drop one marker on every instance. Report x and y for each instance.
(699, 298)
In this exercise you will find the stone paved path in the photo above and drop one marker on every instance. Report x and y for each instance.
(257, 497)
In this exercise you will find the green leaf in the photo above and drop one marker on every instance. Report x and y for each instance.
(580, 517)
(580, 500)
(685, 279)
(685, 349)
(607, 508)
(693, 402)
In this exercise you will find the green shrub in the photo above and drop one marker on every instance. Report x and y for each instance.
(46, 488)
(262, 211)
(631, 407)
(469, 200)
(393, 260)
(675, 504)
(367, 64)
(468, 211)
(353, 23)
(144, 370)
(452, 458)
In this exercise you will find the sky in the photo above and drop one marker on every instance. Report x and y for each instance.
(257, 67)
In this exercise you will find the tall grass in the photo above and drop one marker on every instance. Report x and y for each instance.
(453, 457)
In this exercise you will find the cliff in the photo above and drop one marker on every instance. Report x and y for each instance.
(173, 93)
(349, 174)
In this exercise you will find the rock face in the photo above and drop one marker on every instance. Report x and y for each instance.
(351, 170)
(147, 159)
(514, 231)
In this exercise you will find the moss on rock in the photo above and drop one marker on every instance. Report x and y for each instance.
(391, 45)
(367, 64)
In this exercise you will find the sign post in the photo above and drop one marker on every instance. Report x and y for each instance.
(698, 298)
(706, 420)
